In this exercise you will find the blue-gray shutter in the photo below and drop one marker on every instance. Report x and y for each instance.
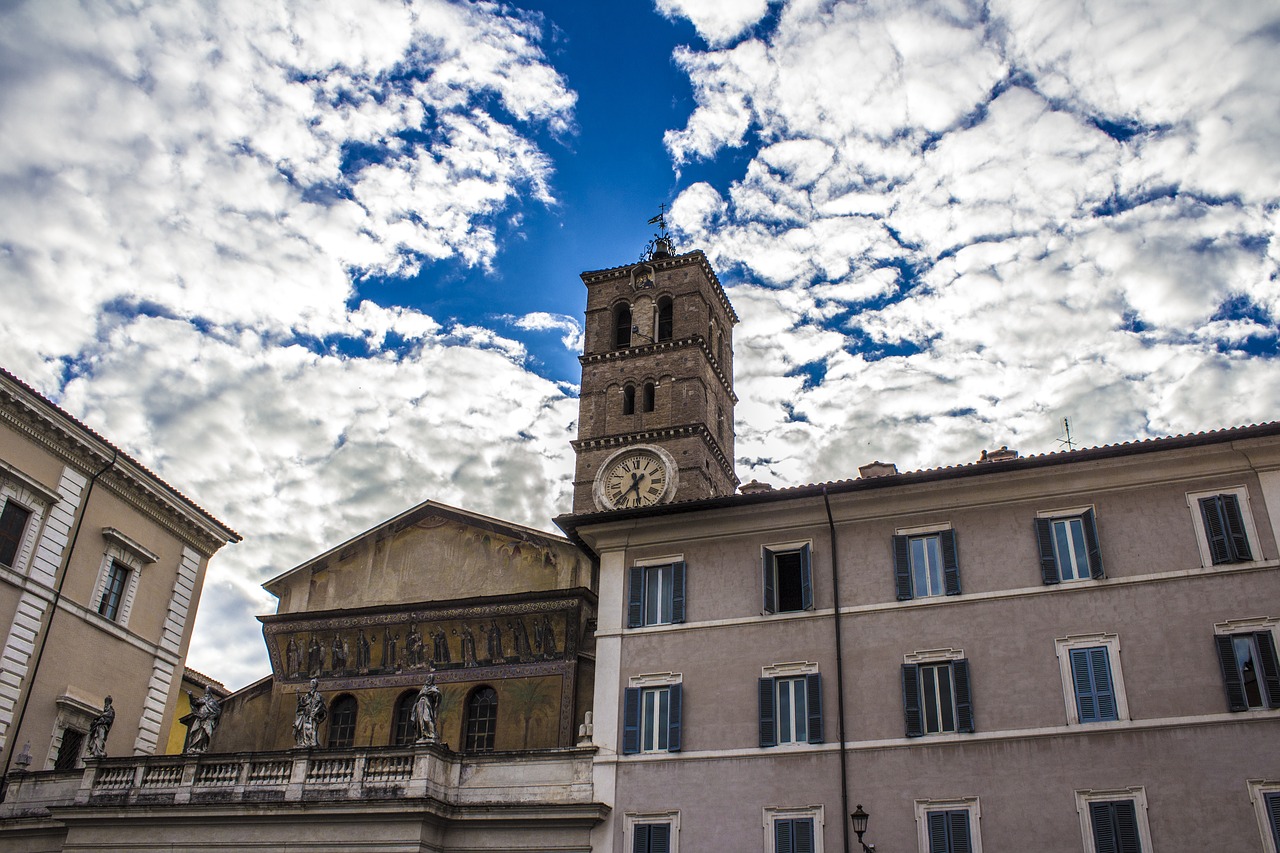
(677, 591)
(902, 567)
(1215, 529)
(950, 562)
(938, 832)
(1270, 667)
(1273, 817)
(660, 838)
(675, 701)
(1236, 700)
(635, 597)
(813, 693)
(1090, 525)
(806, 580)
(1091, 678)
(770, 599)
(958, 826)
(964, 699)
(642, 837)
(783, 837)
(1127, 827)
(1044, 543)
(802, 829)
(1115, 827)
(768, 714)
(1234, 523)
(911, 700)
(631, 721)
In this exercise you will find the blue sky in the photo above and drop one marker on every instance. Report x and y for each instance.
(317, 262)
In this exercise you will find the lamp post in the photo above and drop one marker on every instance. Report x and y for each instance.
(860, 818)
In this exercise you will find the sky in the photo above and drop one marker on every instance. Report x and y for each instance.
(317, 262)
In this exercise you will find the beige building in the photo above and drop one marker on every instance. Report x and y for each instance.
(101, 565)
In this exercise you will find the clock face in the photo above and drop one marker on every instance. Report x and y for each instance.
(634, 478)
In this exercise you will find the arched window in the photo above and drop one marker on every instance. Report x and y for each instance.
(649, 394)
(342, 721)
(665, 312)
(482, 720)
(629, 400)
(401, 725)
(622, 326)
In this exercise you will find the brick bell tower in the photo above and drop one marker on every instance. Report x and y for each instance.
(655, 413)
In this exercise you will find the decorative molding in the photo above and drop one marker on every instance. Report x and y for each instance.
(607, 442)
(673, 262)
(43, 492)
(117, 538)
(631, 352)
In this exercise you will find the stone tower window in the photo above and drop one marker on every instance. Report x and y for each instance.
(665, 314)
(622, 326)
(649, 396)
(629, 400)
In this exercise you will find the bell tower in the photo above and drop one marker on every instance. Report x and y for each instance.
(655, 411)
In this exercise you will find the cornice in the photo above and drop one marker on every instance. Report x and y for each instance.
(608, 442)
(44, 424)
(643, 350)
(673, 262)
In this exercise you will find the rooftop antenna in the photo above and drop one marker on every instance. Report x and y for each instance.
(1066, 426)
(659, 246)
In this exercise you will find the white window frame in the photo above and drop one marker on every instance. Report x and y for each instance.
(1251, 625)
(969, 804)
(35, 499)
(670, 818)
(1074, 512)
(1063, 647)
(74, 712)
(786, 548)
(935, 656)
(1137, 793)
(773, 814)
(120, 549)
(1246, 516)
(1258, 790)
(645, 682)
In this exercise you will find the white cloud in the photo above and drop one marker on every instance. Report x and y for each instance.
(717, 21)
(541, 321)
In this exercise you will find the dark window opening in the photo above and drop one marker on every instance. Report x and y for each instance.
(790, 589)
(665, 313)
(649, 396)
(482, 720)
(622, 326)
(13, 521)
(342, 722)
(69, 750)
(113, 591)
(401, 724)
(629, 400)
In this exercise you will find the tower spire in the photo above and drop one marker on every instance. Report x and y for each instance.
(659, 246)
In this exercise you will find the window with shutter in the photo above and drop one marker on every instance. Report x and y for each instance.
(656, 595)
(1224, 528)
(1250, 670)
(1068, 547)
(936, 697)
(1271, 803)
(926, 565)
(1091, 680)
(949, 831)
(1115, 827)
(793, 835)
(788, 582)
(790, 709)
(651, 719)
(651, 838)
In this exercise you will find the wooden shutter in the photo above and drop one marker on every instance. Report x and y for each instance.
(1270, 667)
(938, 832)
(631, 721)
(1231, 679)
(768, 715)
(642, 838)
(1082, 685)
(660, 838)
(677, 591)
(770, 599)
(1233, 521)
(1091, 544)
(635, 597)
(802, 834)
(783, 837)
(958, 827)
(1102, 817)
(1044, 543)
(1215, 529)
(911, 700)
(675, 699)
(813, 695)
(964, 700)
(1273, 816)
(902, 567)
(950, 562)
(1127, 840)
(806, 580)
(1091, 678)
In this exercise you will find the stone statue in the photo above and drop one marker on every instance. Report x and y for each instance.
(99, 728)
(425, 714)
(307, 719)
(206, 711)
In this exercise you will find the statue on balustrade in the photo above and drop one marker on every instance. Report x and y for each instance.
(425, 715)
(99, 729)
(310, 714)
(206, 711)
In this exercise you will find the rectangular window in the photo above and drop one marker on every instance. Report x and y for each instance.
(788, 585)
(651, 838)
(1224, 529)
(1250, 670)
(1091, 681)
(69, 750)
(791, 710)
(949, 831)
(113, 590)
(13, 523)
(936, 697)
(1115, 826)
(1068, 547)
(651, 719)
(926, 565)
(1271, 805)
(656, 595)
(793, 835)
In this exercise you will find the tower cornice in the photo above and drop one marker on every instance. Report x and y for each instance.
(699, 341)
(674, 262)
(665, 434)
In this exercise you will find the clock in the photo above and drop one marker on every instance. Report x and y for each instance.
(636, 476)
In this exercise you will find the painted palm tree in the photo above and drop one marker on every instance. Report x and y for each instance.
(532, 698)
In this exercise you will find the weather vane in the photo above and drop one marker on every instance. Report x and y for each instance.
(659, 246)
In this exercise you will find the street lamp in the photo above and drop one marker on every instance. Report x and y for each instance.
(860, 818)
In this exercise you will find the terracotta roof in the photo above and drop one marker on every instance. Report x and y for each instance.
(58, 412)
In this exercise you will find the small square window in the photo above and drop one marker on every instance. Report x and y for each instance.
(652, 833)
(656, 594)
(948, 826)
(793, 830)
(788, 584)
(1114, 821)
(926, 564)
